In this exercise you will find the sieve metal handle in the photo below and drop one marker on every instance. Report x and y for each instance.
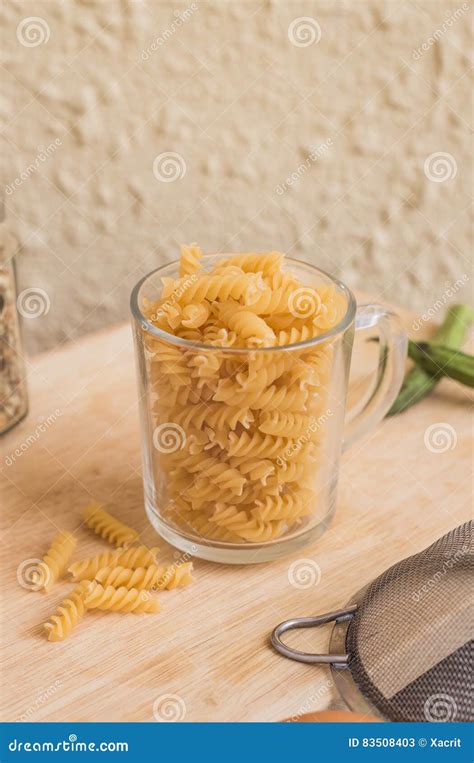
(336, 660)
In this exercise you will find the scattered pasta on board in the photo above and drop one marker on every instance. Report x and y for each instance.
(120, 580)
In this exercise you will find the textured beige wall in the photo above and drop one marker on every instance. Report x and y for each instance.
(94, 91)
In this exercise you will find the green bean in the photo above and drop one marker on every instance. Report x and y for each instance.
(420, 382)
(440, 360)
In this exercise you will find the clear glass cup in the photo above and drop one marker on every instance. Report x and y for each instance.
(219, 486)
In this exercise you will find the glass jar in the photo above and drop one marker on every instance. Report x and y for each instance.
(13, 393)
(241, 447)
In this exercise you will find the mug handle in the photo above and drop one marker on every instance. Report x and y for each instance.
(393, 343)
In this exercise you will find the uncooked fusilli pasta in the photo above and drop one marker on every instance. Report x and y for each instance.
(120, 599)
(190, 259)
(107, 526)
(156, 577)
(248, 407)
(62, 623)
(55, 560)
(136, 556)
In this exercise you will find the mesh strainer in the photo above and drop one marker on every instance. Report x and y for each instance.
(402, 649)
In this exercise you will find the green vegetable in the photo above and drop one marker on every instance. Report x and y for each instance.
(443, 361)
(419, 382)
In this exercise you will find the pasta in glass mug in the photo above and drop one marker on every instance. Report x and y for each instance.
(243, 366)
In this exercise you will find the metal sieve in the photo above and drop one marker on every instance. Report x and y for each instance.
(403, 649)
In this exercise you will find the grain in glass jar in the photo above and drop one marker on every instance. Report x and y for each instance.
(13, 394)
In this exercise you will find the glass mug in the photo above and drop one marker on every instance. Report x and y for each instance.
(222, 481)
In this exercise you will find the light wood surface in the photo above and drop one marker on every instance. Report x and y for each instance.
(209, 645)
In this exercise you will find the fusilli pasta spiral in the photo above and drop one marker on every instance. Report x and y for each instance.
(56, 559)
(267, 263)
(68, 614)
(284, 506)
(286, 423)
(107, 526)
(120, 599)
(190, 259)
(136, 556)
(155, 577)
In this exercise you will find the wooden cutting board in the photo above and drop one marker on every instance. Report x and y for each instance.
(209, 645)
